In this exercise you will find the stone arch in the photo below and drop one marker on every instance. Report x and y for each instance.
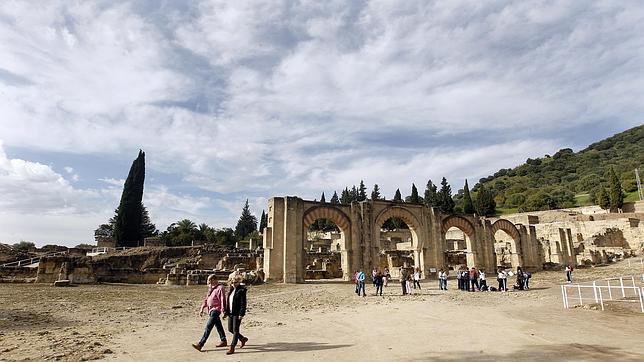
(460, 222)
(399, 212)
(330, 213)
(508, 227)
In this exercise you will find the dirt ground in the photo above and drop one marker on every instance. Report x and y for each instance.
(321, 321)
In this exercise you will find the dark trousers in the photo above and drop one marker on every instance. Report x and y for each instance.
(483, 285)
(502, 284)
(213, 321)
(417, 282)
(356, 287)
(361, 288)
(474, 285)
(233, 327)
(378, 288)
(404, 287)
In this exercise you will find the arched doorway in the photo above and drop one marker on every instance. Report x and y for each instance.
(397, 240)
(507, 241)
(458, 237)
(326, 233)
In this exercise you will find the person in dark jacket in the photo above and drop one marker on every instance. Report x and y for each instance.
(235, 311)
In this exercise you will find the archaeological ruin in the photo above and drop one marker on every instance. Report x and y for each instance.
(434, 240)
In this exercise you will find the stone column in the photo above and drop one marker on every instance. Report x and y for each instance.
(293, 241)
(274, 241)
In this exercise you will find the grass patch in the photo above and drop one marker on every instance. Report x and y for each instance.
(631, 197)
(583, 200)
(505, 211)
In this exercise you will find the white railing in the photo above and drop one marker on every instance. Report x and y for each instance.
(30, 261)
(105, 250)
(636, 262)
(601, 291)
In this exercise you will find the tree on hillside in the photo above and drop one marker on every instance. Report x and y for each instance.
(375, 194)
(362, 191)
(334, 199)
(397, 196)
(127, 230)
(24, 245)
(263, 222)
(322, 198)
(431, 195)
(445, 202)
(615, 192)
(247, 223)
(468, 206)
(603, 200)
(485, 204)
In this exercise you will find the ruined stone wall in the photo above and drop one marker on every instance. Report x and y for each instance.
(17, 274)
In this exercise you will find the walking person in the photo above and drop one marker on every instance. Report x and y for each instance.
(355, 280)
(374, 272)
(465, 278)
(386, 277)
(417, 278)
(215, 303)
(459, 279)
(408, 283)
(379, 281)
(361, 278)
(569, 273)
(519, 284)
(235, 311)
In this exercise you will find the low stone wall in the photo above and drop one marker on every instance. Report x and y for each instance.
(18, 274)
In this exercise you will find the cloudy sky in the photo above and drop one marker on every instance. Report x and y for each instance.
(252, 99)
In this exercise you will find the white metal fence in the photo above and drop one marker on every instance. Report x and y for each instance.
(30, 261)
(619, 289)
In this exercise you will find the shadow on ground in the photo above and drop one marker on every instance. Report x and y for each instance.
(287, 347)
(540, 353)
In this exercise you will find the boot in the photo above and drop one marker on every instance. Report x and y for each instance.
(231, 350)
(243, 341)
(223, 343)
(197, 346)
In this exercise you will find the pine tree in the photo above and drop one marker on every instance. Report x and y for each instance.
(127, 230)
(247, 223)
(603, 200)
(485, 204)
(615, 192)
(263, 222)
(446, 203)
(147, 227)
(414, 198)
(322, 199)
(397, 196)
(431, 195)
(375, 194)
(345, 199)
(468, 206)
(334, 199)
(354, 193)
(362, 191)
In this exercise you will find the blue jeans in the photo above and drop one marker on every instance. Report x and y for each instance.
(213, 321)
(361, 287)
(233, 327)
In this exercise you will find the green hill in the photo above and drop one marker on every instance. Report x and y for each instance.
(569, 179)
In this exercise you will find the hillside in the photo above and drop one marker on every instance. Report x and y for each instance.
(568, 179)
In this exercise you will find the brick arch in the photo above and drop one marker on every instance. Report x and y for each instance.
(399, 212)
(460, 222)
(327, 212)
(508, 227)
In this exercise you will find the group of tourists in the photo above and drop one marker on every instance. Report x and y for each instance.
(471, 280)
(231, 305)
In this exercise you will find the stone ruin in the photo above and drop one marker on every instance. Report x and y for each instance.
(144, 265)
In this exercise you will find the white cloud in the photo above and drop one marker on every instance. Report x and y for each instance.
(264, 98)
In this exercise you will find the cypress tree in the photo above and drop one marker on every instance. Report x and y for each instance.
(397, 196)
(468, 206)
(127, 230)
(431, 196)
(354, 193)
(603, 200)
(485, 204)
(362, 191)
(615, 193)
(334, 198)
(247, 223)
(322, 199)
(345, 199)
(414, 198)
(263, 222)
(375, 194)
(446, 203)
